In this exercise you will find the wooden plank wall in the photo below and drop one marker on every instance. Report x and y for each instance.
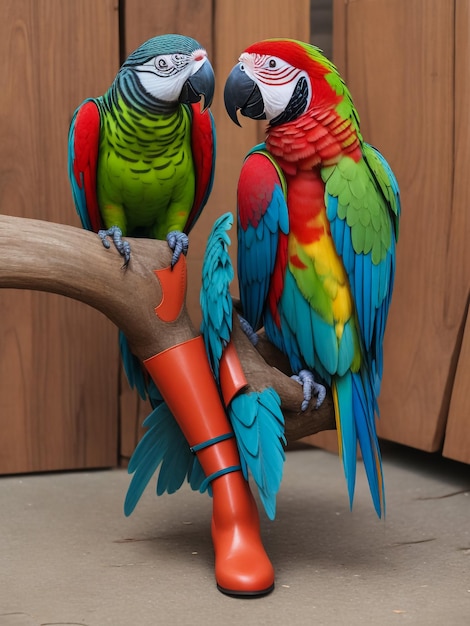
(58, 358)
(59, 366)
(457, 438)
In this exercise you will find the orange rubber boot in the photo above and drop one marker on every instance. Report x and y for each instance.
(185, 380)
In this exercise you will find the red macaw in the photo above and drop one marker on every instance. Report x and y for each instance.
(318, 213)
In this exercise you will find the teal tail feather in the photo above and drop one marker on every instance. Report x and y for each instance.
(162, 445)
(133, 368)
(365, 403)
(355, 410)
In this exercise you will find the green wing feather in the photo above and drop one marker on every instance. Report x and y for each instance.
(363, 207)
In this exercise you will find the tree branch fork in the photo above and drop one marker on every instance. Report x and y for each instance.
(72, 262)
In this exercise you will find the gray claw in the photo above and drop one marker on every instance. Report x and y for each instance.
(310, 387)
(122, 246)
(248, 330)
(179, 243)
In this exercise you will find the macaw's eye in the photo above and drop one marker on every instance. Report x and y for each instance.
(179, 59)
(272, 63)
(164, 65)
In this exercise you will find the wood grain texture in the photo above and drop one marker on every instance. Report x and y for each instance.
(143, 20)
(339, 36)
(58, 406)
(400, 72)
(457, 437)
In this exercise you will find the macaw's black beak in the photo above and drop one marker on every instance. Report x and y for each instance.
(199, 85)
(242, 93)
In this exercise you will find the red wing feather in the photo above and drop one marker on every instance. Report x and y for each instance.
(86, 136)
(203, 149)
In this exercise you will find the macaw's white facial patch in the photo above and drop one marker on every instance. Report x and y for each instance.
(163, 76)
(276, 80)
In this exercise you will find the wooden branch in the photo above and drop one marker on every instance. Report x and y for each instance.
(72, 262)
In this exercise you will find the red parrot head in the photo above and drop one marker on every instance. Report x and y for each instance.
(279, 80)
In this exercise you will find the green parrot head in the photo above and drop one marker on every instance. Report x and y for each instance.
(169, 69)
(280, 79)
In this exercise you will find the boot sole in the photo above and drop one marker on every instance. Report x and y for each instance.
(245, 594)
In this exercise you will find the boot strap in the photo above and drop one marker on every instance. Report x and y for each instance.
(211, 442)
(222, 472)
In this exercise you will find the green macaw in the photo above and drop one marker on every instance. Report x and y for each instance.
(141, 157)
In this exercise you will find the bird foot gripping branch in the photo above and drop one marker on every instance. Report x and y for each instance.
(304, 377)
(310, 388)
(122, 246)
(179, 243)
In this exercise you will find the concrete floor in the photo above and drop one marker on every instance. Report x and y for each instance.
(69, 556)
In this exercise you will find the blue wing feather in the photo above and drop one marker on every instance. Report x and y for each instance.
(258, 230)
(258, 424)
(215, 299)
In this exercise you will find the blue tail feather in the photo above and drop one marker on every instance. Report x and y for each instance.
(162, 445)
(356, 404)
(364, 403)
(342, 387)
(132, 367)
